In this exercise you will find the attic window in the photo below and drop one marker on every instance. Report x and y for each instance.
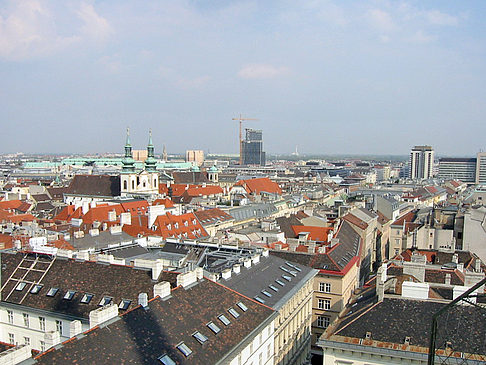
(267, 293)
(243, 307)
(286, 277)
(105, 301)
(200, 337)
(52, 292)
(194, 221)
(20, 286)
(213, 327)
(124, 304)
(36, 289)
(273, 287)
(184, 349)
(86, 298)
(233, 312)
(257, 298)
(69, 295)
(224, 319)
(166, 360)
(280, 282)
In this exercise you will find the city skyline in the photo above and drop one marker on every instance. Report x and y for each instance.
(372, 77)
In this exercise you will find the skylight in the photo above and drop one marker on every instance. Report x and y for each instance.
(293, 266)
(20, 286)
(286, 277)
(166, 360)
(213, 327)
(224, 319)
(36, 288)
(69, 294)
(233, 312)
(184, 349)
(86, 298)
(273, 287)
(200, 337)
(265, 292)
(257, 298)
(124, 304)
(243, 307)
(105, 301)
(52, 292)
(280, 282)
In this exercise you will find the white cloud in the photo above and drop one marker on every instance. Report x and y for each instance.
(381, 20)
(421, 37)
(436, 17)
(261, 71)
(94, 25)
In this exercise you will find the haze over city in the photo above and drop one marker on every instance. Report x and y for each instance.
(368, 77)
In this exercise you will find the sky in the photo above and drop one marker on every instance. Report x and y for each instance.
(330, 77)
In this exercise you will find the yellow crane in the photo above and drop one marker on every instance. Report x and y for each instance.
(241, 119)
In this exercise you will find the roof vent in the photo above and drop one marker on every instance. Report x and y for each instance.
(368, 335)
(407, 340)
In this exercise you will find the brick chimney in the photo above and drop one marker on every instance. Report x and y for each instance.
(102, 314)
(162, 289)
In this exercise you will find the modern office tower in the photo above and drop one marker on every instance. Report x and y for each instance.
(252, 148)
(421, 162)
(481, 168)
(463, 169)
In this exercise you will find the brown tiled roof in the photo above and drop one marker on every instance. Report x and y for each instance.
(259, 185)
(210, 216)
(95, 185)
(190, 177)
(142, 336)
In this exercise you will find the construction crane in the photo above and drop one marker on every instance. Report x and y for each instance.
(241, 119)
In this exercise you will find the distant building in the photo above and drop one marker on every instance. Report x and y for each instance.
(196, 156)
(481, 168)
(421, 162)
(252, 148)
(463, 169)
(139, 155)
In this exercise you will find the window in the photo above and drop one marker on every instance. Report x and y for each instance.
(224, 319)
(324, 304)
(323, 321)
(184, 349)
(325, 287)
(69, 294)
(266, 293)
(59, 327)
(233, 312)
(257, 298)
(293, 266)
(27, 340)
(36, 289)
(273, 287)
(213, 327)
(124, 304)
(243, 307)
(105, 301)
(42, 346)
(280, 282)
(11, 338)
(20, 286)
(52, 292)
(10, 316)
(26, 319)
(286, 277)
(200, 337)
(166, 360)
(42, 323)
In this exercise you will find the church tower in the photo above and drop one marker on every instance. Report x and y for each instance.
(128, 161)
(150, 162)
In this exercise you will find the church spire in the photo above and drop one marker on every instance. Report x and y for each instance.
(128, 162)
(150, 162)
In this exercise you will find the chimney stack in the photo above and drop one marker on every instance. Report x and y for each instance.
(143, 299)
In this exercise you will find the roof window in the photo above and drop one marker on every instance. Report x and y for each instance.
(105, 301)
(224, 319)
(257, 298)
(166, 360)
(69, 295)
(293, 266)
(20, 286)
(233, 312)
(184, 349)
(200, 337)
(86, 298)
(243, 307)
(280, 282)
(286, 277)
(36, 288)
(124, 304)
(52, 292)
(213, 327)
(273, 287)
(267, 293)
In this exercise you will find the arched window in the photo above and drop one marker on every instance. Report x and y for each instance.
(155, 182)
(133, 185)
(125, 185)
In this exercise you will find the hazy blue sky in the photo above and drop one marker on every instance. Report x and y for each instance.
(371, 77)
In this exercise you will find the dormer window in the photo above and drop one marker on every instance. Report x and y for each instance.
(124, 304)
(36, 289)
(224, 319)
(200, 337)
(182, 347)
(194, 221)
(186, 224)
(176, 225)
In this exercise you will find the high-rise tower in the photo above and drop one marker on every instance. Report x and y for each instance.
(421, 162)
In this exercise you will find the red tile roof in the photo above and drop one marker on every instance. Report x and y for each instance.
(355, 220)
(263, 184)
(210, 216)
(179, 226)
(166, 202)
(318, 234)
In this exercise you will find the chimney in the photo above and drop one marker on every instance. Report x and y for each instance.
(143, 300)
(246, 262)
(94, 232)
(186, 278)
(407, 340)
(236, 268)
(460, 267)
(477, 265)
(103, 314)
(157, 268)
(75, 328)
(52, 338)
(226, 274)
(112, 215)
(448, 279)
(265, 253)
(199, 273)
(162, 289)
(255, 259)
(455, 258)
